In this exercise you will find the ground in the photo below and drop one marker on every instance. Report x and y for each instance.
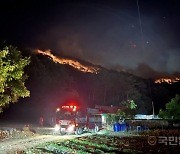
(112, 143)
(15, 145)
(18, 140)
(41, 140)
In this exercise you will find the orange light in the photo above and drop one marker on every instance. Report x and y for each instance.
(73, 63)
(167, 80)
(71, 106)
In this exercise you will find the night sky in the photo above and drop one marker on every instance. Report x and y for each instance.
(108, 33)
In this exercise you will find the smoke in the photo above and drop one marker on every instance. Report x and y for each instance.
(71, 47)
(157, 59)
(146, 71)
(173, 62)
(66, 42)
(113, 39)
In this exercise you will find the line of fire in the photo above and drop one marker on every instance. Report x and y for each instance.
(70, 62)
(167, 80)
(90, 69)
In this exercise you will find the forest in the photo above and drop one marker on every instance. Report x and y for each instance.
(52, 84)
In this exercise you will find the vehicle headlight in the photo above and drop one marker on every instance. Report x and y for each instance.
(57, 127)
(71, 128)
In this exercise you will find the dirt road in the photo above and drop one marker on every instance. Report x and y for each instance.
(17, 145)
(13, 146)
(21, 140)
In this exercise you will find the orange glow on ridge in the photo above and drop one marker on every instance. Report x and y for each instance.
(70, 62)
(167, 80)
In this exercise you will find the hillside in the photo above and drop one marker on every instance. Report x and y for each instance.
(52, 84)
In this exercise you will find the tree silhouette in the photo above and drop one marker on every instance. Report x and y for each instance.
(12, 77)
(172, 110)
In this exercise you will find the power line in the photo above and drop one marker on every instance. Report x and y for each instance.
(140, 24)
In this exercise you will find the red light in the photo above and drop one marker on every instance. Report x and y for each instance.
(71, 107)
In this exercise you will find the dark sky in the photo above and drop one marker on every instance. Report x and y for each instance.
(102, 32)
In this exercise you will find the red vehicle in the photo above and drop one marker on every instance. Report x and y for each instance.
(74, 120)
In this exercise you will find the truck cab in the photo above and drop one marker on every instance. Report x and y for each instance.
(75, 120)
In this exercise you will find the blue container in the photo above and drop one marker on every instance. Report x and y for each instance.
(123, 127)
(116, 127)
(120, 127)
(128, 127)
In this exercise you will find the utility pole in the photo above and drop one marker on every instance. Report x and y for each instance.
(151, 98)
(153, 108)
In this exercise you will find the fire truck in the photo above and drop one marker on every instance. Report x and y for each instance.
(71, 119)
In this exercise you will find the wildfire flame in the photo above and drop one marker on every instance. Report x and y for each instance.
(70, 62)
(167, 80)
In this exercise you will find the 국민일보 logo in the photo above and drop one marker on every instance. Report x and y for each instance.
(152, 140)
